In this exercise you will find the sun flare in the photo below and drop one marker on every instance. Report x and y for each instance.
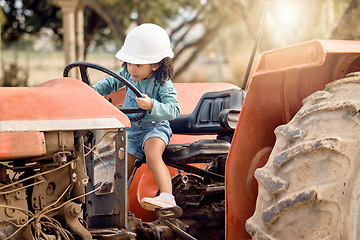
(287, 13)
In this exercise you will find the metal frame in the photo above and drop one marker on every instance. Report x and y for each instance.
(108, 210)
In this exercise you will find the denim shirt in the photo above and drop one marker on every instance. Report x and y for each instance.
(163, 98)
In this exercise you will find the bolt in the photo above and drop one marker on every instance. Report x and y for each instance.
(74, 177)
(185, 179)
(74, 210)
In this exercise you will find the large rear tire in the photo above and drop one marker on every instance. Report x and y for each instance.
(309, 189)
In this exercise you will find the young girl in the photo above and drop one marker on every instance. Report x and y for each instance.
(146, 56)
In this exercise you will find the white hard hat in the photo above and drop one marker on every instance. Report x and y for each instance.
(145, 44)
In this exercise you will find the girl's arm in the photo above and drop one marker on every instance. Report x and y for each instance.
(167, 108)
(109, 84)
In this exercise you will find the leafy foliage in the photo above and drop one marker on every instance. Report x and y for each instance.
(28, 17)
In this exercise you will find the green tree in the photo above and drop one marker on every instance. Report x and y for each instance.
(28, 17)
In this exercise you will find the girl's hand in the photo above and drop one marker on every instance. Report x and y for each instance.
(144, 102)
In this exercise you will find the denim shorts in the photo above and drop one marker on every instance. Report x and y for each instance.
(141, 131)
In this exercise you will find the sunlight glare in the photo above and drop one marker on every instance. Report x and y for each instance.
(287, 13)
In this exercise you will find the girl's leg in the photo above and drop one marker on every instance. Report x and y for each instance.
(154, 148)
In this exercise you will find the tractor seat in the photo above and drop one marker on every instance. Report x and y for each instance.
(216, 112)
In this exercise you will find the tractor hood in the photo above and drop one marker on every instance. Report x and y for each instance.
(57, 105)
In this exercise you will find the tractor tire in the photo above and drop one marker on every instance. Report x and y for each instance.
(309, 188)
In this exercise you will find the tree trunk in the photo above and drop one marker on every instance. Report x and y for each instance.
(104, 12)
(91, 29)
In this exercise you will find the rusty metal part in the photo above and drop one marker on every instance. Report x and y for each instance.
(49, 190)
(179, 231)
(4, 177)
(11, 214)
(166, 216)
(78, 171)
(16, 145)
(100, 214)
(59, 141)
(167, 213)
(113, 234)
(71, 212)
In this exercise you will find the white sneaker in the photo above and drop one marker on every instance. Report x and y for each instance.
(161, 201)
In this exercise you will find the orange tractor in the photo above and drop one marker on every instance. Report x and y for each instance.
(60, 176)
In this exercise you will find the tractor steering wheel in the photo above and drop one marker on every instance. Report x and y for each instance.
(83, 66)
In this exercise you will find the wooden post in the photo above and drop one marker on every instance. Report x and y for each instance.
(79, 32)
(73, 25)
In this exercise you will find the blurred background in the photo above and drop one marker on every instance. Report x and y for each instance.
(212, 39)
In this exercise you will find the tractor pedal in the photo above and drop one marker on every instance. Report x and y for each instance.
(167, 213)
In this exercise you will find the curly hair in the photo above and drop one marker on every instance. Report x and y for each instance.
(164, 72)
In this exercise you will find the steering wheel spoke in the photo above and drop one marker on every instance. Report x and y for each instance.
(85, 75)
